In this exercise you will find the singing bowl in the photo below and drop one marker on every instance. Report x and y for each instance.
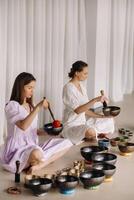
(88, 151)
(45, 184)
(108, 169)
(114, 141)
(34, 183)
(39, 183)
(103, 142)
(92, 178)
(127, 147)
(66, 182)
(111, 111)
(51, 130)
(105, 157)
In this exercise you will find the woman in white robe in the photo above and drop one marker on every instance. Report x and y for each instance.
(80, 122)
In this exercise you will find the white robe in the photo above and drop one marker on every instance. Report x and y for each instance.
(76, 125)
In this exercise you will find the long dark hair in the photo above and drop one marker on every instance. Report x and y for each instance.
(21, 80)
(77, 67)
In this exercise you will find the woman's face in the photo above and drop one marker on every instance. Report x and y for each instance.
(28, 89)
(82, 76)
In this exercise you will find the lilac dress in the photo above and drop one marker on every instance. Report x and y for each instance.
(19, 144)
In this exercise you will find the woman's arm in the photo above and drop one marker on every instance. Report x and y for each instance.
(41, 132)
(85, 107)
(90, 113)
(25, 123)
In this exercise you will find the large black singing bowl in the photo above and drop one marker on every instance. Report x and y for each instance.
(88, 151)
(40, 183)
(46, 184)
(92, 178)
(51, 130)
(108, 169)
(66, 182)
(34, 184)
(105, 157)
(111, 111)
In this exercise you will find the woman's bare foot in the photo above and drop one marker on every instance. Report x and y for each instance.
(36, 167)
(91, 139)
(103, 136)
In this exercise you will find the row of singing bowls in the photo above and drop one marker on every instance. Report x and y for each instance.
(127, 132)
(89, 178)
(108, 169)
(118, 140)
(92, 178)
(111, 111)
(88, 151)
(67, 184)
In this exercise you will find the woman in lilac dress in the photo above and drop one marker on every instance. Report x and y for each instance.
(22, 134)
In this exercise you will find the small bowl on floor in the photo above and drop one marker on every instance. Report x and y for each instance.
(125, 132)
(51, 130)
(92, 178)
(115, 141)
(103, 142)
(88, 151)
(126, 148)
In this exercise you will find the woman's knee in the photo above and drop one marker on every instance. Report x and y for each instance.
(36, 154)
(90, 133)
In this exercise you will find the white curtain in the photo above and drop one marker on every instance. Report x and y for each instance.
(43, 37)
(114, 54)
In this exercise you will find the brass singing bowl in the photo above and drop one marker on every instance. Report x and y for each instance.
(127, 147)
